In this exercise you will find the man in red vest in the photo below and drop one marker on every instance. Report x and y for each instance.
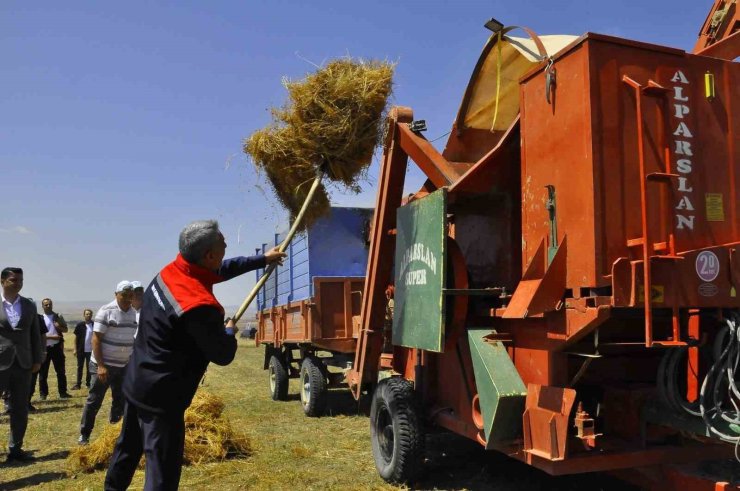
(181, 330)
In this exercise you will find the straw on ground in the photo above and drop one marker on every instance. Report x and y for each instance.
(209, 437)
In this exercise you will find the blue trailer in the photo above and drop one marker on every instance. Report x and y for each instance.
(308, 311)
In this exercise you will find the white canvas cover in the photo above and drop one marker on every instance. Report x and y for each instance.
(515, 57)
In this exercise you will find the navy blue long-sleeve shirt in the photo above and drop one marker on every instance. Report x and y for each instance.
(174, 347)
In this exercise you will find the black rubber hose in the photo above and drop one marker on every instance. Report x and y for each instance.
(718, 367)
(672, 368)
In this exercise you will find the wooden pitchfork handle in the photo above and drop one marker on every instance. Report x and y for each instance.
(283, 246)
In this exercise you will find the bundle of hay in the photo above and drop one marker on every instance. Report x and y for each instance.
(209, 437)
(330, 125)
(96, 455)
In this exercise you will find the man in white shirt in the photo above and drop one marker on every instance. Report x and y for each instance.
(138, 299)
(112, 343)
(56, 326)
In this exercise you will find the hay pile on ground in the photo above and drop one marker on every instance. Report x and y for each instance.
(331, 124)
(209, 437)
(96, 455)
(208, 434)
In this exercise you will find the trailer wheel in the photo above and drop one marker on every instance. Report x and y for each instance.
(313, 387)
(396, 432)
(278, 379)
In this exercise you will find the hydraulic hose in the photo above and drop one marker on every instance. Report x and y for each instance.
(719, 396)
(719, 388)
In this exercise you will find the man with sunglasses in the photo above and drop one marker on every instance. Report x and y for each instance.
(112, 343)
(20, 355)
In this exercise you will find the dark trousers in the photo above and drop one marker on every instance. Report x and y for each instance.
(17, 381)
(95, 397)
(32, 389)
(161, 437)
(83, 360)
(55, 355)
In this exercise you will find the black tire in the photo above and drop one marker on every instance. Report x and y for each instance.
(278, 374)
(313, 387)
(396, 431)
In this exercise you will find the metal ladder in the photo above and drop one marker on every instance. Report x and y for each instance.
(648, 247)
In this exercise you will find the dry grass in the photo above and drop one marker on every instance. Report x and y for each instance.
(330, 125)
(96, 455)
(209, 437)
(289, 450)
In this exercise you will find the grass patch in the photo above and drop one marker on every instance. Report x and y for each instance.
(288, 449)
(209, 437)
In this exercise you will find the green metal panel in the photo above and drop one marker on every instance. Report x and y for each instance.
(418, 316)
(501, 391)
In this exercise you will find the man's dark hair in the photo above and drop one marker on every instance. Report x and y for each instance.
(86, 311)
(8, 271)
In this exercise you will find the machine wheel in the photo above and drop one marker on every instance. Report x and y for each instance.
(278, 379)
(313, 387)
(396, 432)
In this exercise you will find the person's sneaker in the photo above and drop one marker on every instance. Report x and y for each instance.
(83, 440)
(65, 395)
(114, 419)
(76, 387)
(20, 456)
(31, 408)
(42, 397)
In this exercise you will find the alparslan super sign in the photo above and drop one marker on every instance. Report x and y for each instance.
(417, 252)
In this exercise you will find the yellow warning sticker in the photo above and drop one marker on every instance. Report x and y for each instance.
(715, 210)
(657, 293)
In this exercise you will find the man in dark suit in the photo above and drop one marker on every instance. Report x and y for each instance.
(83, 348)
(20, 355)
(35, 375)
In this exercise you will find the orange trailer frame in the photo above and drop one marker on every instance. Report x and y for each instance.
(609, 141)
(303, 339)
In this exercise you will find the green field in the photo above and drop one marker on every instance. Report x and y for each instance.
(291, 451)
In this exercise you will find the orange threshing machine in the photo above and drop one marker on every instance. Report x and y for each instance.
(566, 280)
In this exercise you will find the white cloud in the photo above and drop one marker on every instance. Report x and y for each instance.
(18, 229)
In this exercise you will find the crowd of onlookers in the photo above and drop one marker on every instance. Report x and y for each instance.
(102, 345)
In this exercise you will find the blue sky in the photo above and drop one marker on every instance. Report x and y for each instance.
(120, 122)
